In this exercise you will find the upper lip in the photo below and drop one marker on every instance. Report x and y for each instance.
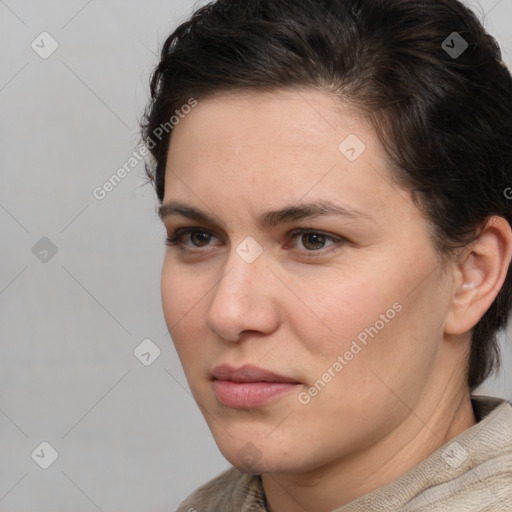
(248, 373)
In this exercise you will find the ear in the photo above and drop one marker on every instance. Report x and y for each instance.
(480, 273)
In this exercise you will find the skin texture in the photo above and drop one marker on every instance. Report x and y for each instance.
(296, 308)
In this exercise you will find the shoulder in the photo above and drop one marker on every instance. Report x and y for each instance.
(471, 472)
(231, 491)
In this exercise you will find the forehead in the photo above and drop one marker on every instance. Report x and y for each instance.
(275, 148)
(296, 117)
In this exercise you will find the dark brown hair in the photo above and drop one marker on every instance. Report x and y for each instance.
(443, 111)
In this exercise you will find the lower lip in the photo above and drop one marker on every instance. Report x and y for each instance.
(244, 395)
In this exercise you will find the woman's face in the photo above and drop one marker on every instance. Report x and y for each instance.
(346, 306)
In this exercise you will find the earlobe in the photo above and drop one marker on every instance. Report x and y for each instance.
(481, 270)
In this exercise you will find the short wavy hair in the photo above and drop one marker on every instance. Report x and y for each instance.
(424, 72)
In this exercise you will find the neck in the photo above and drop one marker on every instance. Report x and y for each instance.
(434, 422)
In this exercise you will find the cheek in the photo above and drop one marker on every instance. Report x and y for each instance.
(182, 303)
(390, 347)
(335, 311)
(364, 316)
(171, 286)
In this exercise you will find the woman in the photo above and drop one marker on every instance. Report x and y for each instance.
(332, 179)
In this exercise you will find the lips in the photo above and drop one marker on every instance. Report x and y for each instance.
(248, 373)
(249, 386)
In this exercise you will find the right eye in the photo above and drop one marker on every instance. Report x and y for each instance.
(196, 236)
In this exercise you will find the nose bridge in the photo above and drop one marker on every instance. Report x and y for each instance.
(245, 268)
(241, 299)
(246, 259)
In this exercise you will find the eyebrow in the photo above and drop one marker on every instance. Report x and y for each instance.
(270, 218)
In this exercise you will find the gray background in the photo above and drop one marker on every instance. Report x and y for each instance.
(129, 437)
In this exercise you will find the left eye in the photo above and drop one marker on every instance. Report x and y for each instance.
(313, 240)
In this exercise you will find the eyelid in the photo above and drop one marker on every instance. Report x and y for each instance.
(302, 231)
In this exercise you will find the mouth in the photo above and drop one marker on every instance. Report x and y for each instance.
(249, 386)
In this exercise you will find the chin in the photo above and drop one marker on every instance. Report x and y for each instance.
(258, 467)
(253, 458)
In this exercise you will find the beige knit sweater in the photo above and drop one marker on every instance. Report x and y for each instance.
(470, 473)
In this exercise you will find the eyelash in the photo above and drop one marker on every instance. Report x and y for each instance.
(174, 239)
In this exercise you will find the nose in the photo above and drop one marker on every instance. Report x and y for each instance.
(244, 300)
